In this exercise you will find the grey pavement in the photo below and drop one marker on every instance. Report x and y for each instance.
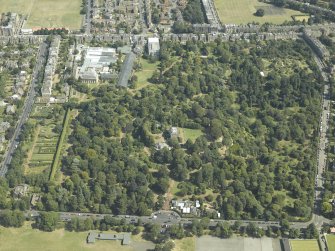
(318, 219)
(126, 69)
(87, 22)
(210, 243)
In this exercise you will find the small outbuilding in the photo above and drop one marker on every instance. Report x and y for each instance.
(93, 236)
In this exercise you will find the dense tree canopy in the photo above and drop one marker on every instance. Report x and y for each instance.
(256, 105)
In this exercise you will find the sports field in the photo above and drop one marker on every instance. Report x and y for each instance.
(206, 243)
(331, 242)
(46, 13)
(28, 239)
(242, 12)
(304, 245)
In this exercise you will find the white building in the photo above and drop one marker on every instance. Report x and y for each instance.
(97, 60)
(26, 31)
(153, 46)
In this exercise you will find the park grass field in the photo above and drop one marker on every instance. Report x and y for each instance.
(301, 18)
(192, 134)
(331, 242)
(145, 74)
(185, 244)
(18, 6)
(28, 239)
(304, 245)
(46, 13)
(242, 12)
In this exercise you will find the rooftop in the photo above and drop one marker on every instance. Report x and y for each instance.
(99, 57)
(153, 40)
(124, 237)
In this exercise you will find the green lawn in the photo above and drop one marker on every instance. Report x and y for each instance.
(146, 73)
(42, 157)
(242, 12)
(46, 13)
(304, 245)
(185, 244)
(331, 242)
(191, 134)
(28, 239)
(174, 188)
(18, 6)
(60, 144)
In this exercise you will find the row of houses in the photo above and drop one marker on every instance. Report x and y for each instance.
(24, 39)
(211, 15)
(125, 39)
(50, 67)
(315, 43)
(183, 38)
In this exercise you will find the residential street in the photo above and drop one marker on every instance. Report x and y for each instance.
(29, 102)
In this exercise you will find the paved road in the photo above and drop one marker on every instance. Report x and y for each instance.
(318, 219)
(164, 218)
(323, 141)
(126, 69)
(28, 105)
(168, 218)
(87, 22)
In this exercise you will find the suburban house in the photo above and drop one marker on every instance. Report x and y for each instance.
(34, 199)
(21, 190)
(10, 109)
(161, 145)
(4, 125)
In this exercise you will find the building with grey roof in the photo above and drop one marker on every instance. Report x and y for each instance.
(50, 67)
(316, 45)
(123, 237)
